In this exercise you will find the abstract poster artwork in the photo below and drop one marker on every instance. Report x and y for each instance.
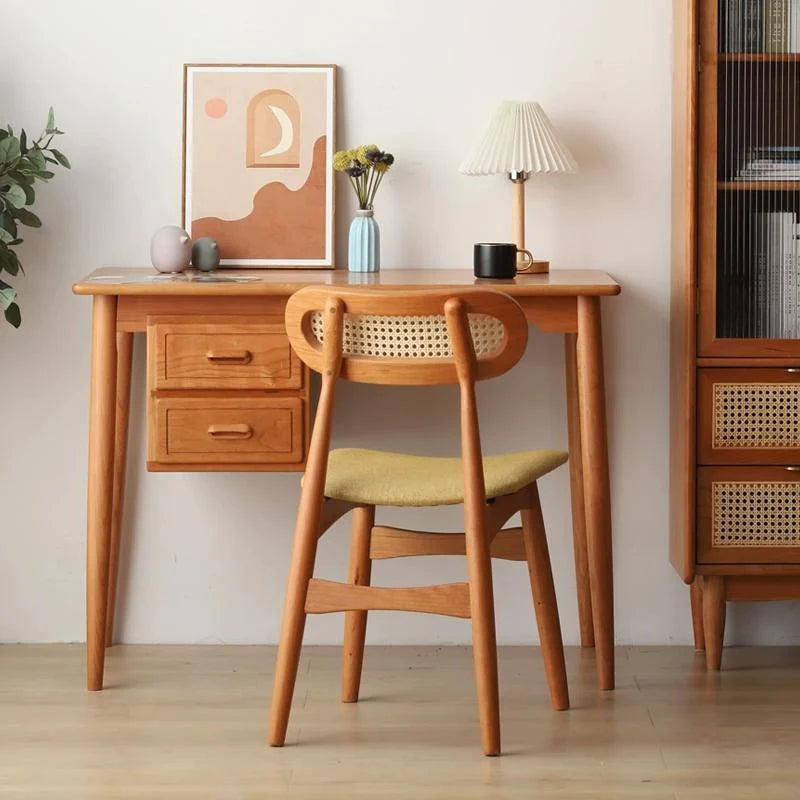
(257, 166)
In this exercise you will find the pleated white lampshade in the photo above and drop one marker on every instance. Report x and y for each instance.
(518, 138)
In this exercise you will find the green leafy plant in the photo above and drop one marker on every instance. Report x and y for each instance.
(21, 165)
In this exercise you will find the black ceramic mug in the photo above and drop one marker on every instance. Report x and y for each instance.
(498, 260)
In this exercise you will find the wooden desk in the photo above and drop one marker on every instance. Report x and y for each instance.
(565, 301)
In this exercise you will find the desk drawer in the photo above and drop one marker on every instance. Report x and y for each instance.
(225, 431)
(246, 354)
(748, 415)
(748, 515)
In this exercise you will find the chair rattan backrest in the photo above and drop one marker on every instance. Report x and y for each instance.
(394, 337)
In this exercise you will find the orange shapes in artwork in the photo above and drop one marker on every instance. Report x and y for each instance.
(273, 130)
(216, 107)
(284, 225)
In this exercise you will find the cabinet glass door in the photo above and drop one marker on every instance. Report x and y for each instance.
(750, 177)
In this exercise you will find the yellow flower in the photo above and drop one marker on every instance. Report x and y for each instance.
(342, 160)
(361, 153)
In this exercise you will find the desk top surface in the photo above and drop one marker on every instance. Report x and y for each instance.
(242, 282)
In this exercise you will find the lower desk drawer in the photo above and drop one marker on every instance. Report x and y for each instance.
(748, 515)
(221, 433)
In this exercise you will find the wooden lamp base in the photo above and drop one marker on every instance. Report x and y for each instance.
(537, 267)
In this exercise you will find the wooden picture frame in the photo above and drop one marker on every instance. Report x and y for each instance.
(258, 144)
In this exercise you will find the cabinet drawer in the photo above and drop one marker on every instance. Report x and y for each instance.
(748, 515)
(247, 354)
(748, 415)
(223, 431)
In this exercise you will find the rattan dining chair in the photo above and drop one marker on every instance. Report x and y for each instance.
(381, 336)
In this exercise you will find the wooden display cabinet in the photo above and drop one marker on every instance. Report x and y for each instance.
(735, 315)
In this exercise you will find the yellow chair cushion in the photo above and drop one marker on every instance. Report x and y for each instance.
(375, 477)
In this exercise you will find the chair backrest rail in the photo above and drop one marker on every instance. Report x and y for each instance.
(394, 338)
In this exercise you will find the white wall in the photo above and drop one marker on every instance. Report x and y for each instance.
(206, 555)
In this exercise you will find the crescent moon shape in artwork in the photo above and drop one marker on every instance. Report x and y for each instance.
(287, 133)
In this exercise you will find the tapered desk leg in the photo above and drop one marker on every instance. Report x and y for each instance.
(102, 414)
(123, 406)
(576, 490)
(594, 445)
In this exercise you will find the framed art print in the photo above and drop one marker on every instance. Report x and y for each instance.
(257, 162)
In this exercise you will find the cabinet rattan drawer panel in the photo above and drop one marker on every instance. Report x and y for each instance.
(748, 515)
(247, 354)
(226, 431)
(748, 416)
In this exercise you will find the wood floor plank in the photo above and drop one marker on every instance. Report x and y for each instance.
(189, 722)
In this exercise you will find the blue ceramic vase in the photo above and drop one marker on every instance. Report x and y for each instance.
(364, 243)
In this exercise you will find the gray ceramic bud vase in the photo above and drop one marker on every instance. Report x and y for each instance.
(205, 254)
(170, 249)
(364, 243)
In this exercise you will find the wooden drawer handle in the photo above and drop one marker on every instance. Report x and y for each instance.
(233, 357)
(793, 370)
(793, 469)
(237, 431)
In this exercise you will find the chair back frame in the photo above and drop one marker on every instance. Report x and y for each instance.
(363, 301)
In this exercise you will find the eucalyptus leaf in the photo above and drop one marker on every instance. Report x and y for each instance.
(9, 262)
(51, 120)
(9, 149)
(44, 174)
(6, 237)
(22, 178)
(36, 157)
(7, 295)
(13, 315)
(15, 195)
(60, 157)
(28, 218)
(23, 142)
(30, 195)
(8, 225)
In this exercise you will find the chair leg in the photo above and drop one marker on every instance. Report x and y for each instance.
(301, 570)
(355, 622)
(544, 601)
(484, 641)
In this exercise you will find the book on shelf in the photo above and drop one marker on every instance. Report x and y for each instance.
(764, 289)
(752, 26)
(776, 26)
(794, 26)
(771, 163)
(789, 276)
(733, 41)
(760, 26)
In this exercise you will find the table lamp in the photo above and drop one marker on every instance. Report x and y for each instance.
(519, 140)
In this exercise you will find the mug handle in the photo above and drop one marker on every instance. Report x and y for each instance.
(529, 264)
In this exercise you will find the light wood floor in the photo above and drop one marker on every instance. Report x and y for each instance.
(189, 722)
